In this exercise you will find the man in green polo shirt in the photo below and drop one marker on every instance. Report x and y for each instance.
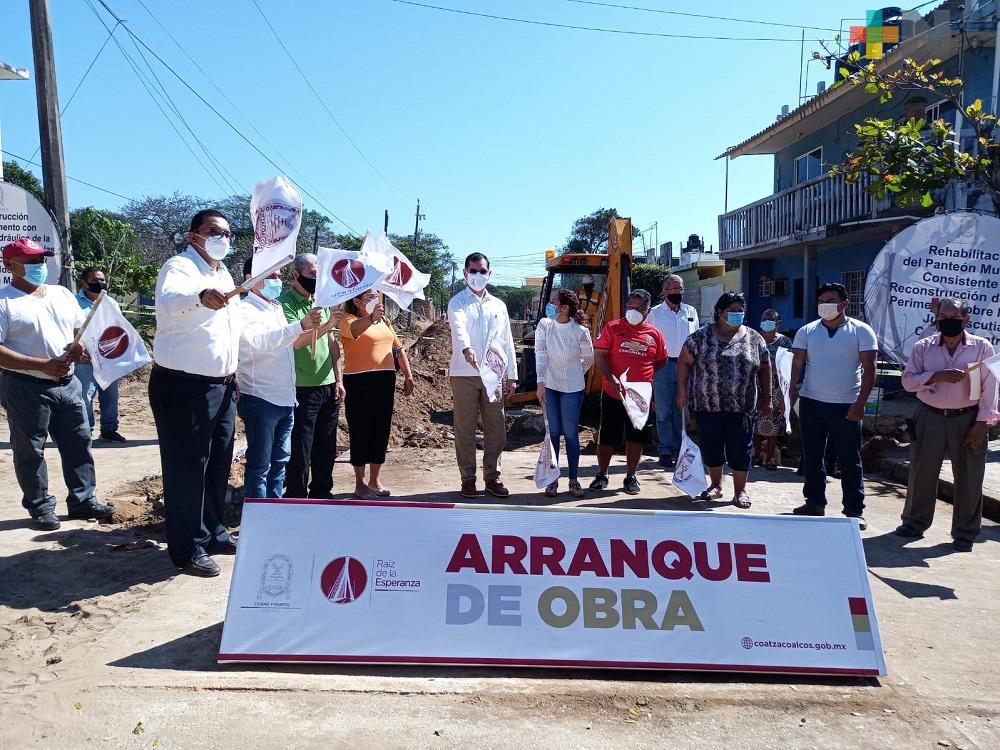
(318, 389)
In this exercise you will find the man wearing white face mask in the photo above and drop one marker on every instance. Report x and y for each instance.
(191, 392)
(266, 379)
(479, 321)
(838, 354)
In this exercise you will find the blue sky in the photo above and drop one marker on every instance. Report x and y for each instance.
(506, 132)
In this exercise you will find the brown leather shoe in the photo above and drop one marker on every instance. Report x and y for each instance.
(469, 488)
(495, 487)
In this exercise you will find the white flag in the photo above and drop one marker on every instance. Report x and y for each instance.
(492, 370)
(993, 365)
(276, 211)
(404, 282)
(114, 346)
(547, 465)
(637, 397)
(783, 362)
(689, 472)
(344, 274)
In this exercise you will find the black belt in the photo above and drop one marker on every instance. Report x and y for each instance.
(221, 379)
(950, 412)
(672, 359)
(37, 381)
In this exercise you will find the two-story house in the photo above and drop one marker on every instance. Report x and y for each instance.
(816, 228)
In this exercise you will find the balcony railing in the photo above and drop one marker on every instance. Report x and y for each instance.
(797, 213)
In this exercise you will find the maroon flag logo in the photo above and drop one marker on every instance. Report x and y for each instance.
(401, 273)
(113, 343)
(348, 273)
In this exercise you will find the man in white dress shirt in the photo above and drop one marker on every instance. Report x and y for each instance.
(266, 380)
(191, 392)
(676, 321)
(479, 321)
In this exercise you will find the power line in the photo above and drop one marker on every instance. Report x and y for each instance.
(300, 176)
(221, 116)
(323, 104)
(702, 15)
(74, 179)
(599, 29)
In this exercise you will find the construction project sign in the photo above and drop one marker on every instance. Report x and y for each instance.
(22, 215)
(437, 583)
(951, 255)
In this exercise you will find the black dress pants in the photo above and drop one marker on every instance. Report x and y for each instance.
(195, 423)
(314, 442)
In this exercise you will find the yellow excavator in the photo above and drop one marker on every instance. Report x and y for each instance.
(603, 282)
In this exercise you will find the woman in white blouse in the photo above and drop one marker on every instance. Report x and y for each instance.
(563, 354)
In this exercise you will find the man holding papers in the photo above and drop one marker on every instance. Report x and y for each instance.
(944, 370)
(482, 356)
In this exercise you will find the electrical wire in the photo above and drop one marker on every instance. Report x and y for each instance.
(82, 79)
(221, 116)
(152, 95)
(627, 32)
(702, 15)
(73, 179)
(299, 175)
(315, 93)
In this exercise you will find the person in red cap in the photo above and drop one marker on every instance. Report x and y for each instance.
(38, 390)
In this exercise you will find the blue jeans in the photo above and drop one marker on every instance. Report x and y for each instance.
(269, 444)
(819, 423)
(106, 397)
(563, 412)
(668, 415)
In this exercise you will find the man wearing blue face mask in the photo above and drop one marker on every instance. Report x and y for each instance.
(191, 391)
(266, 381)
(38, 390)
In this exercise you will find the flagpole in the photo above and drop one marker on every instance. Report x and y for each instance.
(86, 321)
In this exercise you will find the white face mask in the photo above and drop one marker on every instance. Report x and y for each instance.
(370, 305)
(633, 316)
(217, 247)
(477, 281)
(828, 310)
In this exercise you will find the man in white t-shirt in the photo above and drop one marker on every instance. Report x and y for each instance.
(38, 390)
(676, 321)
(838, 354)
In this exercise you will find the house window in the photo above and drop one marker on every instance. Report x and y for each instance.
(940, 109)
(809, 166)
(765, 286)
(855, 283)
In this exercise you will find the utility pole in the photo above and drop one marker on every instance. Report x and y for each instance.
(315, 238)
(50, 133)
(385, 227)
(416, 227)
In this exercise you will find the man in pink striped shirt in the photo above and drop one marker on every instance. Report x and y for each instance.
(952, 417)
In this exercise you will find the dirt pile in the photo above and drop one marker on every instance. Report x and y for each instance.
(424, 419)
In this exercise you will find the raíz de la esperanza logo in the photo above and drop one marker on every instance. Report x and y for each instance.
(348, 273)
(112, 343)
(343, 580)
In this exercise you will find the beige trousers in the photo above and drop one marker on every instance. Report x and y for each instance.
(471, 404)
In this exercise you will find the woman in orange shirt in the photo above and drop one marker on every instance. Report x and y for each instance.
(368, 341)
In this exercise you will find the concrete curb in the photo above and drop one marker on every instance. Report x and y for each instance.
(898, 470)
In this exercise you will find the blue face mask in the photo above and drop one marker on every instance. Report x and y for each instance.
(36, 273)
(272, 288)
(551, 311)
(767, 326)
(735, 319)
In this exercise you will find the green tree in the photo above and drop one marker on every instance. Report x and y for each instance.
(590, 233)
(161, 222)
(101, 238)
(649, 276)
(911, 159)
(15, 174)
(515, 297)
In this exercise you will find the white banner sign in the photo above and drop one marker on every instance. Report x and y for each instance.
(951, 255)
(21, 215)
(419, 583)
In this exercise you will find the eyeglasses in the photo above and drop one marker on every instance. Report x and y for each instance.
(219, 233)
(474, 271)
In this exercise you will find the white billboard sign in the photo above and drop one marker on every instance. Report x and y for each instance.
(419, 583)
(21, 215)
(951, 255)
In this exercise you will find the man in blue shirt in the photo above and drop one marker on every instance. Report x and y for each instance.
(838, 354)
(92, 283)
